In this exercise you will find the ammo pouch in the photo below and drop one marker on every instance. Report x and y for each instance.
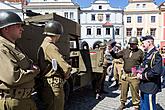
(18, 93)
(22, 61)
(55, 82)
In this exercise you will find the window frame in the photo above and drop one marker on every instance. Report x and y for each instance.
(128, 32)
(139, 19)
(98, 32)
(128, 19)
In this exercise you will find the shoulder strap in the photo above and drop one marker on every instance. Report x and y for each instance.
(152, 59)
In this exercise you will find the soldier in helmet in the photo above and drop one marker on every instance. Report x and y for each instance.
(54, 69)
(17, 71)
(100, 77)
(132, 56)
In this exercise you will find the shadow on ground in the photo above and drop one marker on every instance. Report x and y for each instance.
(84, 98)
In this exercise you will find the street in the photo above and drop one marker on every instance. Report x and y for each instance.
(84, 99)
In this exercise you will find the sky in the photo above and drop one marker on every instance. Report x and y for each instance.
(113, 3)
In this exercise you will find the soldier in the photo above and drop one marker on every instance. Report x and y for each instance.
(100, 77)
(52, 93)
(17, 71)
(150, 77)
(132, 56)
(118, 67)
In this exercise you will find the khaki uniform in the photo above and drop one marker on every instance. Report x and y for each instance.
(131, 58)
(117, 69)
(100, 77)
(16, 84)
(52, 93)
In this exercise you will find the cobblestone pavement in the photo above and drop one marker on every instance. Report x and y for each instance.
(84, 99)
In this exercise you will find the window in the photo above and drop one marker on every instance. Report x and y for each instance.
(117, 31)
(139, 19)
(66, 14)
(139, 31)
(128, 19)
(100, 7)
(144, 5)
(98, 31)
(129, 31)
(73, 44)
(153, 31)
(107, 17)
(107, 31)
(93, 17)
(152, 19)
(71, 15)
(137, 5)
(88, 31)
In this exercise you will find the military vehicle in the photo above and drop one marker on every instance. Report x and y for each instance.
(85, 61)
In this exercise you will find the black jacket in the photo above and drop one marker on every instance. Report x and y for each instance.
(151, 76)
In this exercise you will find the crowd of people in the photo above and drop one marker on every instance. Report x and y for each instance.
(139, 70)
(20, 78)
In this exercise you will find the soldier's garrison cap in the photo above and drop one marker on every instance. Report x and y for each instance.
(148, 37)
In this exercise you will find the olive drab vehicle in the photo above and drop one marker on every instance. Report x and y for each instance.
(84, 61)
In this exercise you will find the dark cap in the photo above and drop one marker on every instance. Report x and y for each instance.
(148, 37)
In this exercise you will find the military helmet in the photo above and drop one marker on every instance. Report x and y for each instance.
(102, 45)
(8, 18)
(133, 40)
(53, 28)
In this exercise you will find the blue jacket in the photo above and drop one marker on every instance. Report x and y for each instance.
(151, 76)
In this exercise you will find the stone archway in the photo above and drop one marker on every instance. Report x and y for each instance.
(84, 45)
(96, 44)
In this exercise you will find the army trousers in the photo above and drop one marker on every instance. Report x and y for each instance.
(17, 104)
(132, 82)
(118, 67)
(52, 94)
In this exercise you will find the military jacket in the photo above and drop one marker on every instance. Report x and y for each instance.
(135, 59)
(52, 52)
(13, 67)
(151, 76)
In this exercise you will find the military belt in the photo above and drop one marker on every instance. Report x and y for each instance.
(118, 63)
(133, 76)
(22, 93)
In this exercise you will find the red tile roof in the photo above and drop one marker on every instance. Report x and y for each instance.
(107, 24)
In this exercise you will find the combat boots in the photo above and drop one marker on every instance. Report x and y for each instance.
(121, 107)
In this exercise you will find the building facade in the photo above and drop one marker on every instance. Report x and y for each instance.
(162, 10)
(142, 17)
(65, 8)
(100, 22)
(12, 5)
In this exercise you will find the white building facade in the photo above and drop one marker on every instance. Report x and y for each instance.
(65, 8)
(100, 22)
(12, 6)
(142, 17)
